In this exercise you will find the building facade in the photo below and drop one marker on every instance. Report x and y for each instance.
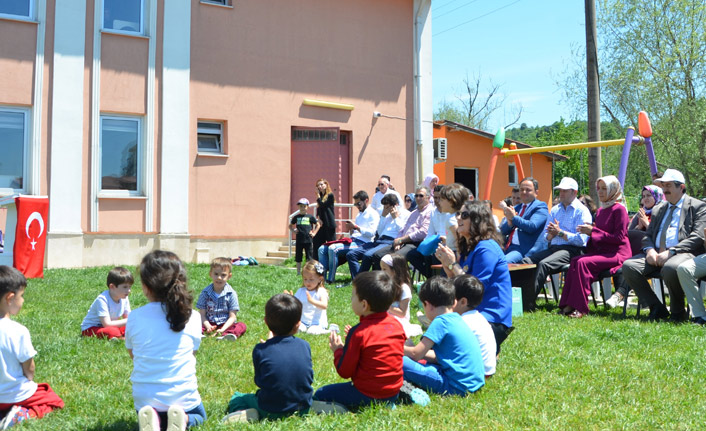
(195, 126)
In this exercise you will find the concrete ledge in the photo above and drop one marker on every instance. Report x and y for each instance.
(64, 250)
(82, 250)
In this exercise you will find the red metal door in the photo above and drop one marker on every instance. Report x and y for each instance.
(320, 153)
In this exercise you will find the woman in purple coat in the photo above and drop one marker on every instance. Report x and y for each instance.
(607, 248)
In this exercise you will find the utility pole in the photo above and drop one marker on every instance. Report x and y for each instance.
(595, 168)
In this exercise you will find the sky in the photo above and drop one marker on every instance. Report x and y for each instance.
(523, 45)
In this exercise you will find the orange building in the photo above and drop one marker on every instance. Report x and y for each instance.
(467, 161)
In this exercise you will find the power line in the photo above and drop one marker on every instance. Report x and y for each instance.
(476, 18)
(444, 5)
(454, 9)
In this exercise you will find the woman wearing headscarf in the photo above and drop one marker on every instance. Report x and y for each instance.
(608, 247)
(431, 181)
(651, 196)
(409, 202)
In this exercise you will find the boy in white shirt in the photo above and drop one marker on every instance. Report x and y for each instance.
(20, 397)
(108, 314)
(469, 294)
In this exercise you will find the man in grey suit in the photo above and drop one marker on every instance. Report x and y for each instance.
(673, 237)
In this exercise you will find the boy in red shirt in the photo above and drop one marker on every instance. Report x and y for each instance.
(374, 348)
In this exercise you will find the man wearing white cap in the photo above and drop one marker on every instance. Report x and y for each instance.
(674, 236)
(560, 240)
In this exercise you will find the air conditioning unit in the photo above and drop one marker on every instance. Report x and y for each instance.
(440, 149)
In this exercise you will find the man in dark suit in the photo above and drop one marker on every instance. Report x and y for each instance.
(673, 237)
(523, 223)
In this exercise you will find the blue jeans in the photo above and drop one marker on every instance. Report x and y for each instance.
(365, 255)
(196, 417)
(329, 256)
(513, 255)
(348, 395)
(430, 377)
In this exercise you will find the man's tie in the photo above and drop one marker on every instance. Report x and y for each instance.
(512, 233)
(665, 226)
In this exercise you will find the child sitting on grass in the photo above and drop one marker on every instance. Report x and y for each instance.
(20, 397)
(372, 354)
(218, 303)
(162, 338)
(469, 294)
(396, 267)
(108, 314)
(314, 298)
(283, 370)
(455, 366)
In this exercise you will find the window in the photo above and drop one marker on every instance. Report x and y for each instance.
(121, 160)
(219, 2)
(123, 15)
(14, 144)
(17, 8)
(210, 137)
(314, 135)
(512, 174)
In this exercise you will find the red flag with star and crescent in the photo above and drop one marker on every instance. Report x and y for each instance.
(31, 235)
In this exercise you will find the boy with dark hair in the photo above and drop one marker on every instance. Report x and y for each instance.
(283, 369)
(469, 294)
(306, 226)
(107, 316)
(218, 303)
(20, 397)
(455, 366)
(372, 354)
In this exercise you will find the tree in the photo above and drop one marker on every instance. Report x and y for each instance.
(653, 58)
(474, 107)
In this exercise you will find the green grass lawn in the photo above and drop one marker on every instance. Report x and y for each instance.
(599, 372)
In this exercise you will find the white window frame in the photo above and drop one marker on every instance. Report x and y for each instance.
(221, 150)
(26, 142)
(513, 167)
(141, 30)
(139, 192)
(29, 17)
(217, 2)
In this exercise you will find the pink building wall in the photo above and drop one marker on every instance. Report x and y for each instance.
(251, 67)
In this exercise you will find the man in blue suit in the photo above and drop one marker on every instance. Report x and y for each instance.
(523, 223)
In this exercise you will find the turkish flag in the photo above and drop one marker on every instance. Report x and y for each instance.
(31, 235)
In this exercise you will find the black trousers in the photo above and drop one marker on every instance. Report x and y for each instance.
(550, 261)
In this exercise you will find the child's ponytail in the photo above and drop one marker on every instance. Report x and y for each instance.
(165, 277)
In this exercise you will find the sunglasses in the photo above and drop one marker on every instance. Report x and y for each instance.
(380, 184)
(465, 215)
(419, 195)
(408, 200)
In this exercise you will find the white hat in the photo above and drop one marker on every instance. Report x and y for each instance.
(303, 201)
(567, 184)
(672, 175)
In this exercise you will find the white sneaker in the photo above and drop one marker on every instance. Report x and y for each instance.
(247, 415)
(327, 408)
(176, 419)
(613, 301)
(148, 419)
(6, 422)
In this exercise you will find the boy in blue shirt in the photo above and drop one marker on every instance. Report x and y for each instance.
(455, 365)
(283, 369)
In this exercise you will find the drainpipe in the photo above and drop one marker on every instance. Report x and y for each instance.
(419, 166)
